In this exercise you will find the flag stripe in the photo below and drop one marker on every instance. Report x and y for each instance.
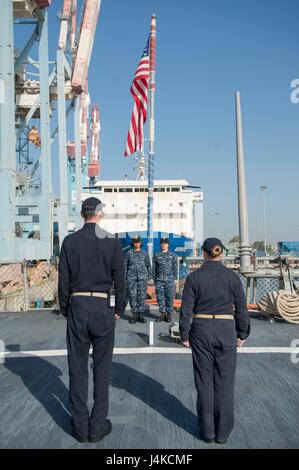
(139, 91)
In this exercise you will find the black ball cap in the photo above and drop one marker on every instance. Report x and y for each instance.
(91, 204)
(209, 243)
(164, 240)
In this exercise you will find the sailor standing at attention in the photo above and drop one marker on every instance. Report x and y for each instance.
(165, 268)
(138, 273)
(217, 329)
(91, 260)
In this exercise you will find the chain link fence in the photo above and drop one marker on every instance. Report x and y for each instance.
(28, 286)
(33, 285)
(256, 288)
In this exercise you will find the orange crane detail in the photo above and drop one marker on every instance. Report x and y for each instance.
(94, 159)
(33, 136)
(91, 9)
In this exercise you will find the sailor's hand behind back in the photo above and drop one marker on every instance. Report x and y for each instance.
(240, 342)
(186, 344)
(117, 317)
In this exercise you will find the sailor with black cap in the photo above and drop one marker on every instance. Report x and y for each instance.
(165, 268)
(138, 273)
(214, 305)
(91, 261)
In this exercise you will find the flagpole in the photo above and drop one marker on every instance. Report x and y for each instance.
(150, 197)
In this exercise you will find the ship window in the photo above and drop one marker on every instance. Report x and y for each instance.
(155, 190)
(137, 190)
(115, 190)
(99, 188)
(23, 211)
(175, 189)
(161, 190)
(168, 189)
(107, 190)
(129, 190)
(146, 190)
(35, 219)
(122, 190)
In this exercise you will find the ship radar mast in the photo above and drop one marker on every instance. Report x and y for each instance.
(140, 168)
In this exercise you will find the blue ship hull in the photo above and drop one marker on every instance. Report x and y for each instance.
(182, 246)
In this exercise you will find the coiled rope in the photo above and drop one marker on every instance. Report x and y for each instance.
(281, 303)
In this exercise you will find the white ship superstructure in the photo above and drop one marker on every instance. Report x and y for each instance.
(125, 206)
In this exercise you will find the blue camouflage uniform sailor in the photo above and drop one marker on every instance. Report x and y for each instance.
(165, 268)
(214, 321)
(138, 273)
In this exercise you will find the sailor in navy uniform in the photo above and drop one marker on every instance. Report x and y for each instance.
(138, 273)
(214, 305)
(91, 260)
(165, 268)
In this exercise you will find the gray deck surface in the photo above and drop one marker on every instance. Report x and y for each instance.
(152, 396)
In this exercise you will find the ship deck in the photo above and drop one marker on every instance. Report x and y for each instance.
(152, 394)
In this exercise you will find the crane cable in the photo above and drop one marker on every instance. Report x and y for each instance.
(281, 303)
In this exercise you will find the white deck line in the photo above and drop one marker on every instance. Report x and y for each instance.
(151, 333)
(146, 350)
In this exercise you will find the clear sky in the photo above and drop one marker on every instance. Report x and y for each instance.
(206, 50)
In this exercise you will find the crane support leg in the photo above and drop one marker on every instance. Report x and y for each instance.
(45, 208)
(7, 133)
(62, 153)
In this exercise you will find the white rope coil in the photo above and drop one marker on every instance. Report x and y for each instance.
(281, 303)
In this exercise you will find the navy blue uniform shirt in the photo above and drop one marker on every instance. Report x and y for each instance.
(214, 289)
(165, 266)
(91, 259)
(137, 265)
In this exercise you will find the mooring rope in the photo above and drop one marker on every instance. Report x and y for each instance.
(281, 303)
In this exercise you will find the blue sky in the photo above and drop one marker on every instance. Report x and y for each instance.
(206, 50)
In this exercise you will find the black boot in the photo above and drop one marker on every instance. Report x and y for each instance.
(141, 318)
(161, 317)
(107, 428)
(135, 318)
(168, 317)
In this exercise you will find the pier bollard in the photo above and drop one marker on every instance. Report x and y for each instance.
(151, 333)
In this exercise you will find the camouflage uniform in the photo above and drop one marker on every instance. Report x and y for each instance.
(164, 274)
(138, 272)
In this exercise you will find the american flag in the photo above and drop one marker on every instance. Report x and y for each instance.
(139, 91)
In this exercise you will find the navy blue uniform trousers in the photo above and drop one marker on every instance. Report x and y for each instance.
(90, 322)
(214, 353)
